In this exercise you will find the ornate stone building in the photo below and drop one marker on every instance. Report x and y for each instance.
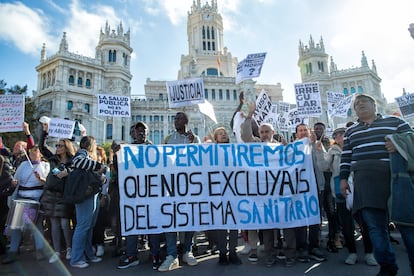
(68, 83)
(315, 66)
(209, 58)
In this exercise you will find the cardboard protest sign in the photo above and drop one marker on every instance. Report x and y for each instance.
(341, 107)
(11, 113)
(263, 107)
(308, 99)
(185, 92)
(250, 67)
(332, 98)
(114, 105)
(296, 119)
(61, 128)
(406, 105)
(197, 187)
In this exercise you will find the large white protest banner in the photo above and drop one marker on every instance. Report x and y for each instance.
(406, 105)
(332, 98)
(11, 113)
(341, 108)
(196, 187)
(308, 99)
(263, 107)
(250, 67)
(114, 105)
(185, 92)
(61, 128)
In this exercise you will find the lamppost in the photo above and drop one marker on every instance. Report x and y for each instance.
(411, 30)
(104, 128)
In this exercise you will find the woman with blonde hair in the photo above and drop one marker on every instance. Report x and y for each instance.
(220, 136)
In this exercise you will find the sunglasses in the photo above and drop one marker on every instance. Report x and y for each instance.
(60, 146)
(33, 150)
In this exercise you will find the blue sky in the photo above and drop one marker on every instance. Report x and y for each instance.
(159, 36)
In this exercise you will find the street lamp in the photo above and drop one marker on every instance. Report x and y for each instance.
(104, 128)
(411, 30)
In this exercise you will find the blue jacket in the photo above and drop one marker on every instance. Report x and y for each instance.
(402, 191)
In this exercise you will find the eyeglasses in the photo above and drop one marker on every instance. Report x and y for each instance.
(60, 146)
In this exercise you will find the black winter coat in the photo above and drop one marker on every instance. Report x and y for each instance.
(52, 199)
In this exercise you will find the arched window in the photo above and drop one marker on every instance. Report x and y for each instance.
(110, 56)
(80, 81)
(88, 83)
(346, 91)
(71, 80)
(114, 56)
(360, 89)
(212, 33)
(213, 94)
(204, 32)
(70, 105)
(352, 90)
(87, 107)
(235, 94)
(220, 94)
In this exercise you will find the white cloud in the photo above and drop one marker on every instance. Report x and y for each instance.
(25, 28)
(84, 26)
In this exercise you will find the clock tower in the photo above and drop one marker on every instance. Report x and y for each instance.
(206, 54)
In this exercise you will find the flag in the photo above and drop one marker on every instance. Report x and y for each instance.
(207, 109)
(218, 63)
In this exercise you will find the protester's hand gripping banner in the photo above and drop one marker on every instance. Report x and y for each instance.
(250, 67)
(195, 187)
(406, 105)
(308, 99)
(11, 113)
(114, 105)
(185, 92)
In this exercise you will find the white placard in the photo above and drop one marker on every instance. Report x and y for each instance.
(308, 99)
(406, 105)
(114, 105)
(250, 67)
(61, 128)
(11, 113)
(185, 92)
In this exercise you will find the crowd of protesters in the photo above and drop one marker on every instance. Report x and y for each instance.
(356, 156)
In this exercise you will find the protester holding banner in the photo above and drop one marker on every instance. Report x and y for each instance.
(30, 178)
(366, 154)
(266, 133)
(139, 135)
(309, 233)
(179, 136)
(53, 205)
(220, 136)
